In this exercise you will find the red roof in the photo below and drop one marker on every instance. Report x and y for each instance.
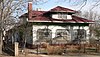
(75, 19)
(38, 16)
(34, 13)
(61, 9)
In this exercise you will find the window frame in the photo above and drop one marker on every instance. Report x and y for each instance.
(62, 16)
(65, 32)
(41, 33)
(81, 35)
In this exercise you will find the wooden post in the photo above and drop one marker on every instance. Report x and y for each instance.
(96, 47)
(16, 49)
(84, 48)
(37, 49)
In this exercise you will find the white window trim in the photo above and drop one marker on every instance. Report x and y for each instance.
(62, 16)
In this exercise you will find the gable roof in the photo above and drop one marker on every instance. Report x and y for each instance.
(61, 9)
(38, 16)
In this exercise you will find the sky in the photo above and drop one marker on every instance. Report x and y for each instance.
(71, 5)
(51, 4)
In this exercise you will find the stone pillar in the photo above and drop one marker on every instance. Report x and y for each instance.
(16, 49)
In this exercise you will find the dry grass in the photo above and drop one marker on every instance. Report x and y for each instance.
(53, 49)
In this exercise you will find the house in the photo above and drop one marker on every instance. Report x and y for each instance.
(58, 25)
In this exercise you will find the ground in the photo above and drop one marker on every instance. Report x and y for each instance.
(32, 53)
(41, 55)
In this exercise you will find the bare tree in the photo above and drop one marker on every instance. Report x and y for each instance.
(82, 3)
(94, 28)
(9, 8)
(91, 15)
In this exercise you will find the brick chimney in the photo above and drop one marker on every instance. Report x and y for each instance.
(29, 10)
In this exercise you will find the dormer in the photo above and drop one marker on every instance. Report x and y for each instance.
(60, 13)
(62, 9)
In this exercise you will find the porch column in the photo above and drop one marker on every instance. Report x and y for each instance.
(85, 33)
(78, 35)
(71, 31)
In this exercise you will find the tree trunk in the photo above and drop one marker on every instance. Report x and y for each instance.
(1, 43)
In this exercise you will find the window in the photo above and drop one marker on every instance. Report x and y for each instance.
(61, 16)
(62, 33)
(44, 33)
(79, 34)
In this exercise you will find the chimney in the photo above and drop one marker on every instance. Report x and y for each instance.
(29, 10)
(38, 9)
